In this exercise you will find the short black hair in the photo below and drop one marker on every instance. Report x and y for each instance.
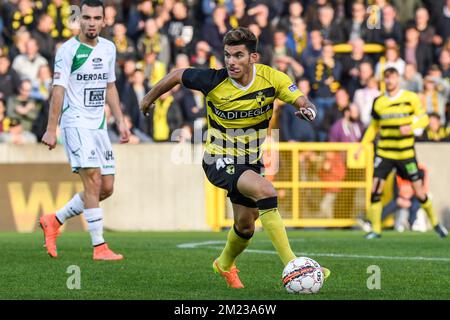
(390, 70)
(241, 35)
(93, 3)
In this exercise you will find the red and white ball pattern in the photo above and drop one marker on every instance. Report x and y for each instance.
(303, 276)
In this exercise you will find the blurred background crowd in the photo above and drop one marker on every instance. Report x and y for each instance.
(335, 51)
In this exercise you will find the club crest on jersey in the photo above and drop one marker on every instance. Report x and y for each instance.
(260, 98)
(230, 169)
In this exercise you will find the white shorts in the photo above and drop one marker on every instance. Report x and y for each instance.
(88, 148)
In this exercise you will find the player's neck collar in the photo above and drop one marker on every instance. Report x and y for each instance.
(87, 44)
(399, 93)
(241, 87)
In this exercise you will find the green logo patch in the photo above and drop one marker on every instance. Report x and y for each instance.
(411, 168)
(230, 169)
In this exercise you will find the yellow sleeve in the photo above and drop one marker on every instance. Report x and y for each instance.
(286, 90)
(421, 119)
(371, 132)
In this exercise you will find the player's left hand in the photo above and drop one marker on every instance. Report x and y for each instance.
(405, 130)
(306, 113)
(124, 132)
(146, 107)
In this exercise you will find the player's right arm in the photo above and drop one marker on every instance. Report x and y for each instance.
(370, 133)
(56, 102)
(61, 75)
(165, 84)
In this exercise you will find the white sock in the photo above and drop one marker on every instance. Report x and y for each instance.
(94, 218)
(72, 209)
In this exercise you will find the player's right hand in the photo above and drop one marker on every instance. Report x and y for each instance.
(49, 139)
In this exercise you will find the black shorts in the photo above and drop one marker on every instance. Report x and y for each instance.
(224, 174)
(406, 169)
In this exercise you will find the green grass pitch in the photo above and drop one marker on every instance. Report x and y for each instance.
(177, 265)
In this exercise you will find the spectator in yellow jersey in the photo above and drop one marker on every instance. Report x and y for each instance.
(434, 96)
(435, 131)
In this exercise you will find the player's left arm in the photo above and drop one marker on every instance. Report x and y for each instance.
(421, 119)
(112, 99)
(289, 93)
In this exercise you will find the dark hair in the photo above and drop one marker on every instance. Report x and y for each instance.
(435, 114)
(390, 70)
(14, 122)
(93, 3)
(241, 35)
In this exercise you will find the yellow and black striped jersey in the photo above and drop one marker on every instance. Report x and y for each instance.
(388, 115)
(238, 117)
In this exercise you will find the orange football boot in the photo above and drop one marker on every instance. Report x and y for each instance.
(102, 252)
(50, 225)
(231, 276)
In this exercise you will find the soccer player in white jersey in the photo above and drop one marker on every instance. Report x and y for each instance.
(83, 81)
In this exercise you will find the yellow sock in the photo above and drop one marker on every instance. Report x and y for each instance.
(274, 226)
(375, 212)
(428, 207)
(234, 247)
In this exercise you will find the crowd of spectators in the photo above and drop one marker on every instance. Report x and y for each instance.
(323, 45)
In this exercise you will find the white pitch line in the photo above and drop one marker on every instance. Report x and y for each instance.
(209, 245)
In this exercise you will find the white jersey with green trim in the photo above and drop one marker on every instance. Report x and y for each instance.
(84, 72)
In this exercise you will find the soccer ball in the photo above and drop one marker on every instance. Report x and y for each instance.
(303, 276)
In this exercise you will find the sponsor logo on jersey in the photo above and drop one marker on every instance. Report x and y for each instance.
(82, 55)
(231, 115)
(292, 88)
(97, 63)
(94, 97)
(394, 115)
(92, 76)
(57, 75)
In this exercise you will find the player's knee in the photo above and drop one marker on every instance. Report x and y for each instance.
(244, 229)
(266, 191)
(375, 197)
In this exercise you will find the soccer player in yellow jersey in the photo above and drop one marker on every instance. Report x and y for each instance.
(239, 101)
(396, 115)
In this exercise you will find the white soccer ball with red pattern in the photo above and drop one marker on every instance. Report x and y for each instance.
(303, 276)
